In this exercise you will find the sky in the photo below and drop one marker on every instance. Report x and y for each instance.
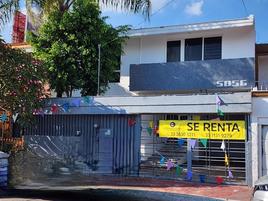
(175, 12)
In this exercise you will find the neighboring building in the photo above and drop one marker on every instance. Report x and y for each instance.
(259, 116)
(23, 46)
(167, 73)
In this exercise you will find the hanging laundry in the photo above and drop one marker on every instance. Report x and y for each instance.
(204, 142)
(189, 175)
(178, 170)
(149, 131)
(226, 159)
(87, 99)
(131, 122)
(65, 107)
(181, 142)
(162, 160)
(15, 116)
(192, 143)
(151, 124)
(219, 101)
(230, 174)
(170, 164)
(220, 113)
(3, 117)
(54, 108)
(202, 178)
(76, 102)
(219, 180)
(223, 145)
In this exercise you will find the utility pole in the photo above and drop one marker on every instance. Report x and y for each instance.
(99, 60)
(99, 63)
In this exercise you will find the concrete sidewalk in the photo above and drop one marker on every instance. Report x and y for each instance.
(225, 192)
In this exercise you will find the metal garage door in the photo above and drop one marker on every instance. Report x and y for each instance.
(264, 150)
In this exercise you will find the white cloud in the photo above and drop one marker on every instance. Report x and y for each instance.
(194, 8)
(157, 4)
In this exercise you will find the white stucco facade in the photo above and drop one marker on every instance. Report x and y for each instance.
(259, 118)
(263, 72)
(150, 45)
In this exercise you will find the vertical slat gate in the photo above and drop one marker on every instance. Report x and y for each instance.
(76, 138)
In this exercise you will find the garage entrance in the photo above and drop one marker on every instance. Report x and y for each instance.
(207, 163)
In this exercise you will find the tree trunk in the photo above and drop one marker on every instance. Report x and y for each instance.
(59, 93)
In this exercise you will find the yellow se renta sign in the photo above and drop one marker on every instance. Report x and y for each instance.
(218, 130)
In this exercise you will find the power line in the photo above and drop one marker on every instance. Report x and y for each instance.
(245, 7)
(154, 13)
(157, 11)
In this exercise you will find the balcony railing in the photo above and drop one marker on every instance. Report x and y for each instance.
(260, 86)
(184, 77)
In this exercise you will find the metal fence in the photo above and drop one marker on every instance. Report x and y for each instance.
(260, 86)
(127, 145)
(87, 144)
(207, 163)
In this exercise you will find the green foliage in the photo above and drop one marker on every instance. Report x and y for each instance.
(68, 46)
(21, 83)
(47, 6)
(7, 8)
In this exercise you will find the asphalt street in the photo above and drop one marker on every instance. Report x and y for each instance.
(97, 195)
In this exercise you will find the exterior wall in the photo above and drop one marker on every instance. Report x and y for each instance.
(259, 117)
(236, 43)
(239, 43)
(117, 89)
(197, 104)
(263, 71)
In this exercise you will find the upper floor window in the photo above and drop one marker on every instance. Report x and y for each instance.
(173, 51)
(116, 76)
(212, 48)
(193, 49)
(116, 72)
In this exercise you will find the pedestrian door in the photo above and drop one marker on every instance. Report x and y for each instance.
(264, 150)
(105, 164)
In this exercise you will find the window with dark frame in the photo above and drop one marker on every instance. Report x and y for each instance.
(212, 48)
(116, 73)
(173, 51)
(193, 49)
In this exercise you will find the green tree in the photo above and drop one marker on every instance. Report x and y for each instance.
(21, 83)
(68, 46)
(7, 7)
(48, 6)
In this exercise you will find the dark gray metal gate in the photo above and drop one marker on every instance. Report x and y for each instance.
(87, 144)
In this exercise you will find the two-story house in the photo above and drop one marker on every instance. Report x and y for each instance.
(172, 74)
(182, 67)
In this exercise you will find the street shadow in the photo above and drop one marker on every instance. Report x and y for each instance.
(100, 195)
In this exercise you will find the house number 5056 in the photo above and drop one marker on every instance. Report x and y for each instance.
(232, 83)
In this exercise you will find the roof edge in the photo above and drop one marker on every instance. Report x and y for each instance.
(202, 26)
